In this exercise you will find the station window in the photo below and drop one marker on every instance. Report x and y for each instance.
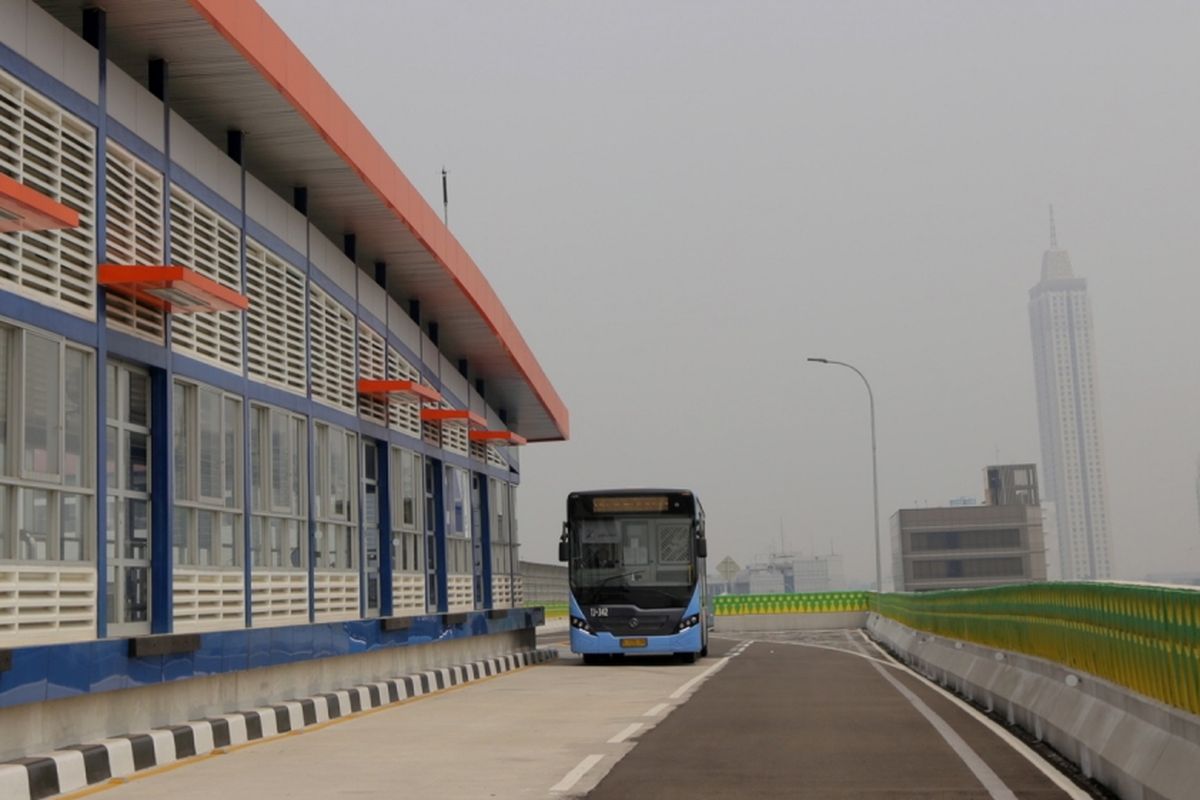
(46, 434)
(207, 519)
(278, 488)
(337, 529)
(504, 539)
(127, 537)
(406, 494)
(457, 494)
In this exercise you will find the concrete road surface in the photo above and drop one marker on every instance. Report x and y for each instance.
(823, 716)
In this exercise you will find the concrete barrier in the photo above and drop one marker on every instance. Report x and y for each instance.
(49, 725)
(1138, 747)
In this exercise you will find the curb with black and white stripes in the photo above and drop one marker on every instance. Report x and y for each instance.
(78, 766)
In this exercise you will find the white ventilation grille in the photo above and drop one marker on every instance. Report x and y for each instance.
(275, 319)
(332, 352)
(494, 458)
(53, 152)
(336, 595)
(403, 415)
(134, 211)
(454, 435)
(502, 586)
(408, 593)
(204, 241)
(46, 603)
(478, 451)
(208, 600)
(372, 363)
(460, 592)
(278, 597)
(431, 432)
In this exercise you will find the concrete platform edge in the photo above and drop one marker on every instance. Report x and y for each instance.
(1135, 746)
(78, 766)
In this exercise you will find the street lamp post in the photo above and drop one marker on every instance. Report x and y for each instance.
(874, 465)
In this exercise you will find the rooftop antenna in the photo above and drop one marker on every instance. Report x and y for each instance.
(1053, 231)
(446, 201)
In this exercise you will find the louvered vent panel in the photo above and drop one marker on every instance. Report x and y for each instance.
(133, 207)
(494, 458)
(204, 241)
(479, 451)
(275, 319)
(372, 363)
(431, 432)
(332, 328)
(454, 436)
(403, 415)
(53, 152)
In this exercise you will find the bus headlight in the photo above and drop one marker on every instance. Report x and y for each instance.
(579, 624)
(688, 622)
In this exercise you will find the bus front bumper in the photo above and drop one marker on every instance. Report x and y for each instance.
(688, 641)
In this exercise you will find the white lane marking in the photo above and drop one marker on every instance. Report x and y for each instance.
(654, 712)
(675, 695)
(572, 777)
(844, 651)
(1057, 778)
(629, 730)
(995, 787)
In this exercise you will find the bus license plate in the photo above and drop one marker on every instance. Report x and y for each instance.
(633, 643)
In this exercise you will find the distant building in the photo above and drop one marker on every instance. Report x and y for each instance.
(785, 574)
(960, 547)
(819, 573)
(1064, 365)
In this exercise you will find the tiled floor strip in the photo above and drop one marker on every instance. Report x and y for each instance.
(78, 766)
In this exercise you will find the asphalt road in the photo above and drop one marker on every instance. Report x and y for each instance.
(786, 720)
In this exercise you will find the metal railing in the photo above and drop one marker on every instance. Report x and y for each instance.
(1145, 638)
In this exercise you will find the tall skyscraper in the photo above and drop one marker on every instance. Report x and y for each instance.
(1069, 417)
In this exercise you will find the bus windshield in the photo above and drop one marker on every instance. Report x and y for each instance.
(633, 559)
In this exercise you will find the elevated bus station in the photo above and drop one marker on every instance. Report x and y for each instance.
(258, 407)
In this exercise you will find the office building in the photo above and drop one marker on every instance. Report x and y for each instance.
(960, 547)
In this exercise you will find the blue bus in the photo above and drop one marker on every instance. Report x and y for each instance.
(635, 560)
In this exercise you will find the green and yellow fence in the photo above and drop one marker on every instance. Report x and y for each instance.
(729, 605)
(1145, 638)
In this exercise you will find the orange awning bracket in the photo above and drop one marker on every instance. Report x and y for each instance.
(498, 438)
(460, 416)
(23, 208)
(174, 289)
(409, 390)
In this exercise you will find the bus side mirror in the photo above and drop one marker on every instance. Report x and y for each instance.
(563, 547)
(702, 548)
(563, 555)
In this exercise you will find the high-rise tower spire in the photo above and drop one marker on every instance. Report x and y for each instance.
(1056, 262)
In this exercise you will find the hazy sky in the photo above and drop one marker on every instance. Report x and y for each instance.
(680, 201)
